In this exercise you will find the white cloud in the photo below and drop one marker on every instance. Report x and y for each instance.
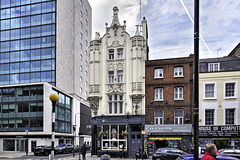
(170, 29)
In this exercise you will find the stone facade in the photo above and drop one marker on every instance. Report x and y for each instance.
(117, 83)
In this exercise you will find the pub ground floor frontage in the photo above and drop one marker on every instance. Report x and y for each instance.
(160, 136)
(109, 133)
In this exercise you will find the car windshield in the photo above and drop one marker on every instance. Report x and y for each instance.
(61, 145)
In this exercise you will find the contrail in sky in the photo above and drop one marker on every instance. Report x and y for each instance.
(185, 8)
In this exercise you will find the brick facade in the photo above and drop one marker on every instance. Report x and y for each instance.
(168, 82)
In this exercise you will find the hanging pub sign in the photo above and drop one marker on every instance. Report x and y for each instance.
(219, 131)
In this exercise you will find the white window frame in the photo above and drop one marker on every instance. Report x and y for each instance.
(179, 118)
(110, 76)
(116, 104)
(120, 53)
(213, 115)
(120, 76)
(159, 118)
(230, 105)
(215, 90)
(158, 73)
(158, 94)
(232, 117)
(111, 54)
(213, 67)
(178, 91)
(178, 71)
(235, 89)
(209, 105)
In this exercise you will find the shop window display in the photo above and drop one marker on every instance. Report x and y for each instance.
(113, 136)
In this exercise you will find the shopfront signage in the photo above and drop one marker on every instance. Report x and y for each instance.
(219, 131)
(183, 129)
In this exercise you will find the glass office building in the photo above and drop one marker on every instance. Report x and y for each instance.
(28, 48)
(43, 49)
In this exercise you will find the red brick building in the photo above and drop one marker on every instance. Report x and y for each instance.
(169, 102)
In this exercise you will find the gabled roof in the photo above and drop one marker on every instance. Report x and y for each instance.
(234, 50)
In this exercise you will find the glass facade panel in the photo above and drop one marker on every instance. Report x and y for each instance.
(27, 25)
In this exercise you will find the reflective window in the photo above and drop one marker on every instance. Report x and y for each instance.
(15, 45)
(35, 77)
(48, 7)
(35, 66)
(15, 2)
(25, 32)
(36, 20)
(36, 43)
(35, 54)
(5, 13)
(25, 44)
(14, 68)
(14, 56)
(35, 31)
(46, 53)
(36, 8)
(45, 76)
(14, 79)
(5, 24)
(4, 57)
(15, 12)
(25, 21)
(5, 3)
(15, 34)
(25, 2)
(45, 65)
(5, 35)
(25, 78)
(24, 67)
(5, 46)
(25, 10)
(15, 23)
(25, 56)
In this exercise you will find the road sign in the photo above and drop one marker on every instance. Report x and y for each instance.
(26, 128)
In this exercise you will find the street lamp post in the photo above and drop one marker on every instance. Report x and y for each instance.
(26, 130)
(54, 98)
(74, 131)
(78, 133)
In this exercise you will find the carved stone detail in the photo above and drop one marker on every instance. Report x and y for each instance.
(137, 86)
(115, 88)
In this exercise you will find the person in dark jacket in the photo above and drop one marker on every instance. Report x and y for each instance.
(83, 151)
(211, 152)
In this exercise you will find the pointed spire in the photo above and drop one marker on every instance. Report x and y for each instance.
(137, 31)
(115, 20)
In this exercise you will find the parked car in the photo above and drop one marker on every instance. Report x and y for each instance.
(88, 147)
(219, 157)
(167, 154)
(230, 152)
(76, 148)
(43, 150)
(64, 148)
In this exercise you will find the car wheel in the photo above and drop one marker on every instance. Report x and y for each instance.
(35, 154)
(46, 153)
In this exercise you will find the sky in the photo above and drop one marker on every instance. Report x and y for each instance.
(170, 25)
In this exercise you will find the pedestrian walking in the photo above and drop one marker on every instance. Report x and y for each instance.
(121, 149)
(211, 152)
(83, 151)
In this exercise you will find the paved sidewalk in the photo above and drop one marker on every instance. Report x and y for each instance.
(12, 155)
